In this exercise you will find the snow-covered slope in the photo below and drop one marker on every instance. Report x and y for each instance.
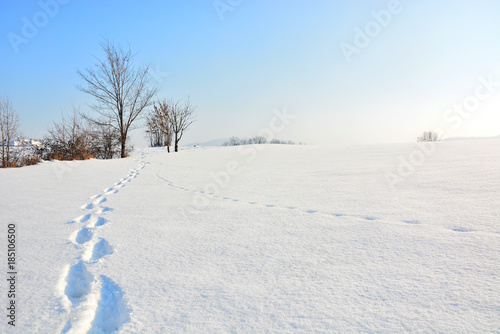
(255, 239)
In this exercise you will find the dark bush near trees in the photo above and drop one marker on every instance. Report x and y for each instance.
(76, 138)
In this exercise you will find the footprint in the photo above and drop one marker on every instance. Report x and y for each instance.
(78, 281)
(97, 221)
(369, 218)
(101, 221)
(103, 209)
(84, 235)
(337, 214)
(414, 222)
(102, 248)
(87, 206)
(311, 211)
(100, 201)
(80, 219)
(461, 229)
(112, 312)
(270, 205)
(95, 196)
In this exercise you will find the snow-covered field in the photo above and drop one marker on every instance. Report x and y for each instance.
(297, 239)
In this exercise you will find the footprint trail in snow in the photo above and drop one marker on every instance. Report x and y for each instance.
(94, 303)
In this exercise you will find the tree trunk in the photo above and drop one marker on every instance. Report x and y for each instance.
(8, 151)
(122, 153)
(176, 143)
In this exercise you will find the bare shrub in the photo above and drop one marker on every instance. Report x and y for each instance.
(69, 139)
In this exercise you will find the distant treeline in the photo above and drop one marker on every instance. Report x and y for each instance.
(235, 141)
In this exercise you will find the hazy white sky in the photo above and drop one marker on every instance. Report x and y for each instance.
(350, 71)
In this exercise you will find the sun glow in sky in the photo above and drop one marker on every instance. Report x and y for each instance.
(350, 71)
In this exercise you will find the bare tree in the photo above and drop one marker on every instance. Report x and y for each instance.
(9, 128)
(181, 117)
(428, 136)
(153, 130)
(122, 91)
(105, 140)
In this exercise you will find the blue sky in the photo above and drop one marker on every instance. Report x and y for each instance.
(239, 65)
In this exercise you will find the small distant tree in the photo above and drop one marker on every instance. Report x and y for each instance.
(234, 141)
(9, 128)
(159, 124)
(260, 140)
(428, 136)
(121, 90)
(181, 117)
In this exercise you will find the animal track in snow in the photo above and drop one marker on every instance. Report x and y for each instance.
(305, 211)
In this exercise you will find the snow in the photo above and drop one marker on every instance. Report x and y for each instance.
(271, 238)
